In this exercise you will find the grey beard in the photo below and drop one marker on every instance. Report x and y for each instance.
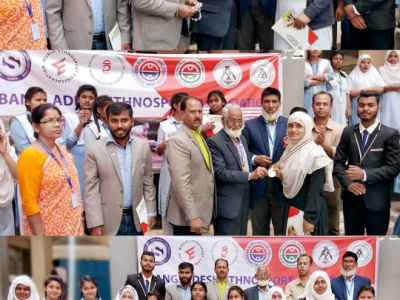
(234, 133)
(262, 282)
(270, 117)
(348, 273)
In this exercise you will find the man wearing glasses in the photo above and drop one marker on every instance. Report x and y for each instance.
(259, 291)
(233, 174)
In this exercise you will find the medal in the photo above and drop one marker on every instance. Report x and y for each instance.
(271, 173)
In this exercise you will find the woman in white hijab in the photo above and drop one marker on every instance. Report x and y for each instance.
(22, 288)
(390, 101)
(8, 172)
(318, 287)
(363, 77)
(275, 293)
(127, 292)
(305, 170)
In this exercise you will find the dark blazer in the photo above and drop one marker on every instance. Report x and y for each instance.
(231, 181)
(339, 287)
(269, 7)
(137, 281)
(381, 163)
(252, 293)
(378, 14)
(257, 139)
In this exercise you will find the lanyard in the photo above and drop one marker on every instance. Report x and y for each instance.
(270, 138)
(240, 149)
(312, 67)
(349, 290)
(29, 7)
(66, 172)
(339, 77)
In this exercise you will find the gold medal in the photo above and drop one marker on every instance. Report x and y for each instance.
(271, 173)
(244, 169)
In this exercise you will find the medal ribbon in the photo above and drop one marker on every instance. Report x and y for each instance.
(240, 150)
(293, 151)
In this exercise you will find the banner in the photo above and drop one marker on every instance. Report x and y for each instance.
(244, 254)
(146, 81)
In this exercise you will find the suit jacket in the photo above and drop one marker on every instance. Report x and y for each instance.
(252, 293)
(174, 292)
(70, 22)
(339, 287)
(378, 14)
(155, 25)
(213, 290)
(192, 190)
(381, 163)
(256, 135)
(137, 281)
(231, 181)
(103, 187)
(269, 7)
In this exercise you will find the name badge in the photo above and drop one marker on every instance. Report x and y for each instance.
(74, 200)
(35, 31)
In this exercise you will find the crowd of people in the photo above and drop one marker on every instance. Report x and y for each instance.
(309, 285)
(89, 174)
(167, 25)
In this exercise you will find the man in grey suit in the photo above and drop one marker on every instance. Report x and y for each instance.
(191, 197)
(214, 292)
(181, 291)
(161, 24)
(86, 24)
(259, 291)
(117, 176)
(233, 174)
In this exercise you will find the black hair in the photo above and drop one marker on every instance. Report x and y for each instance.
(57, 279)
(221, 259)
(369, 93)
(155, 294)
(350, 254)
(186, 99)
(237, 289)
(149, 253)
(116, 108)
(88, 278)
(305, 255)
(100, 102)
(298, 108)
(271, 91)
(31, 92)
(176, 99)
(333, 54)
(184, 265)
(199, 283)
(39, 111)
(322, 93)
(366, 288)
(85, 88)
(218, 93)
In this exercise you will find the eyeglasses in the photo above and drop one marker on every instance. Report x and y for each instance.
(52, 122)
(261, 275)
(349, 262)
(235, 121)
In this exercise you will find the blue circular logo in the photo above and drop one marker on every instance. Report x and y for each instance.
(14, 65)
(160, 248)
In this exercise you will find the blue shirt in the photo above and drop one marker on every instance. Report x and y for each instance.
(349, 287)
(271, 131)
(98, 16)
(186, 295)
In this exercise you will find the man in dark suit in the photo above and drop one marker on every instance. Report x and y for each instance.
(233, 174)
(347, 285)
(259, 291)
(265, 136)
(366, 162)
(145, 281)
(372, 23)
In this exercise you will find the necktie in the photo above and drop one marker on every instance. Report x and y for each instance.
(146, 286)
(203, 148)
(364, 140)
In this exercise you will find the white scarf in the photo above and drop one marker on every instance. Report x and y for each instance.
(25, 280)
(129, 289)
(390, 72)
(308, 157)
(309, 292)
(358, 80)
(274, 289)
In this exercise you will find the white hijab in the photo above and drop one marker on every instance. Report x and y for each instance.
(129, 289)
(274, 289)
(358, 80)
(6, 179)
(390, 72)
(309, 292)
(308, 158)
(25, 280)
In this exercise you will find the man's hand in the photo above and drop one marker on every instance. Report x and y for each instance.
(308, 228)
(99, 230)
(126, 47)
(196, 226)
(320, 138)
(340, 13)
(356, 188)
(354, 173)
(259, 172)
(301, 21)
(358, 22)
(151, 221)
(185, 11)
(262, 160)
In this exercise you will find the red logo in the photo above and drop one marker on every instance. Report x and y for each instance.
(106, 66)
(60, 66)
(190, 252)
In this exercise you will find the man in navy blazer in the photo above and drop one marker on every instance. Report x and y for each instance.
(347, 285)
(263, 284)
(265, 136)
(366, 162)
(233, 174)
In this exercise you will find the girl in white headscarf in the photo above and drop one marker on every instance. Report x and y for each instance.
(22, 288)
(8, 172)
(390, 101)
(275, 293)
(363, 77)
(127, 292)
(306, 171)
(318, 287)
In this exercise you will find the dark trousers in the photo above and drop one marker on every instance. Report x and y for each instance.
(127, 226)
(371, 39)
(182, 230)
(358, 219)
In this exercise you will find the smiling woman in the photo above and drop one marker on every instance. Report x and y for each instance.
(53, 288)
(22, 288)
(318, 287)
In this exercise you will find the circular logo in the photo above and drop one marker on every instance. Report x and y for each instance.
(226, 249)
(227, 73)
(149, 72)
(190, 73)
(191, 251)
(258, 252)
(106, 69)
(60, 66)
(160, 248)
(262, 73)
(363, 250)
(289, 252)
(325, 254)
(14, 65)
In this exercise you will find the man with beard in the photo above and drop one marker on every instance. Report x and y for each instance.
(259, 291)
(117, 175)
(145, 281)
(295, 288)
(347, 285)
(218, 288)
(265, 136)
(366, 162)
(181, 291)
(233, 174)
(191, 194)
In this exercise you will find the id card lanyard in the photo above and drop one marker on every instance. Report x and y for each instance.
(74, 198)
(35, 31)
